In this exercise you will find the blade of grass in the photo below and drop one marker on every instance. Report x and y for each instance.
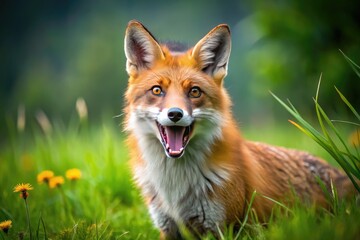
(308, 129)
(324, 141)
(322, 115)
(323, 188)
(247, 214)
(43, 224)
(296, 114)
(222, 237)
(353, 65)
(335, 196)
(349, 170)
(346, 122)
(348, 104)
(278, 203)
(336, 150)
(96, 229)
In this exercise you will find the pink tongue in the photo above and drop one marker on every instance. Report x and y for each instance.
(175, 136)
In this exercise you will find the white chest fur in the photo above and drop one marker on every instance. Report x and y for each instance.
(180, 187)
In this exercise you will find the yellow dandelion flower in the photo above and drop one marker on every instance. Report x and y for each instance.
(23, 188)
(5, 225)
(73, 174)
(45, 176)
(56, 181)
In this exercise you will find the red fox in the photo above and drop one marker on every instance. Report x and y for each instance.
(188, 157)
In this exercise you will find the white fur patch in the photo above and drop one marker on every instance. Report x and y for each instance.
(164, 120)
(181, 185)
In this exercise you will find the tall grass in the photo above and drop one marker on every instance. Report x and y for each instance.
(102, 204)
(330, 137)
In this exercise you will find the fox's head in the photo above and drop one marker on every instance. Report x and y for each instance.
(175, 97)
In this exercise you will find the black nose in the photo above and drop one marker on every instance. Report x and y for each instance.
(175, 114)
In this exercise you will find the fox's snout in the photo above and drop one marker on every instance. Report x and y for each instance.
(175, 114)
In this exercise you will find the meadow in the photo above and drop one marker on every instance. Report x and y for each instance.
(103, 203)
(75, 48)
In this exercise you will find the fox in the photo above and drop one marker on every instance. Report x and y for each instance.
(187, 154)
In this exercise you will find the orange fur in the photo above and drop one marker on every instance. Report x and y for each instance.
(210, 182)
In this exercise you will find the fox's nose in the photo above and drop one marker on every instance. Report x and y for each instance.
(175, 114)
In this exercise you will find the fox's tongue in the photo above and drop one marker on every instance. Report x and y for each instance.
(175, 135)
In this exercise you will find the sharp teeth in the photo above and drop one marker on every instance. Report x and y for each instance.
(167, 146)
(181, 149)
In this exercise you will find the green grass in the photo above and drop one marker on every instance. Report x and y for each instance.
(330, 138)
(105, 204)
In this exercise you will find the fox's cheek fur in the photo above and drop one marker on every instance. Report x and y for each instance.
(142, 121)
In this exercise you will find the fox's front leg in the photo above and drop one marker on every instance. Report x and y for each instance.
(168, 227)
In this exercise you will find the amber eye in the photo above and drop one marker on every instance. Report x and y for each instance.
(156, 90)
(195, 92)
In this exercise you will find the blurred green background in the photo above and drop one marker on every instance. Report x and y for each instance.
(53, 52)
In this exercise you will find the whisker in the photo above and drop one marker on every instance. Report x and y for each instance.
(120, 115)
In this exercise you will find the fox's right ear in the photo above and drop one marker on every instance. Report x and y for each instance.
(141, 48)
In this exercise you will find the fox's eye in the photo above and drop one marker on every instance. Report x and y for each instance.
(195, 92)
(157, 91)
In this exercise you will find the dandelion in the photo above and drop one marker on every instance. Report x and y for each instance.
(5, 225)
(73, 174)
(56, 181)
(23, 188)
(45, 176)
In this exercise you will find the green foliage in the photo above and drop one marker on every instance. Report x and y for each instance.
(300, 39)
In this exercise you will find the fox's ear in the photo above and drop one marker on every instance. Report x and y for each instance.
(212, 52)
(141, 48)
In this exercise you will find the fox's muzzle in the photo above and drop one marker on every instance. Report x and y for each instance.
(175, 114)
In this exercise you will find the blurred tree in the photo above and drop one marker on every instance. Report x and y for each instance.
(53, 52)
(301, 40)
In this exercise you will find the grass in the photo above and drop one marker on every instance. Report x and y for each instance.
(104, 203)
(329, 137)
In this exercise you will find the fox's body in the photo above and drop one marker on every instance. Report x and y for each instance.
(188, 156)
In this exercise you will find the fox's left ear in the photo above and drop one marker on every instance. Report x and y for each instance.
(212, 52)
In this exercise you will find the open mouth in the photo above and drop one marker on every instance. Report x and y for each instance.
(175, 139)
